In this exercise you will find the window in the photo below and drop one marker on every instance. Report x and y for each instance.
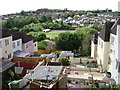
(9, 56)
(101, 44)
(26, 45)
(112, 40)
(18, 43)
(109, 60)
(0, 44)
(13, 44)
(116, 64)
(6, 42)
(119, 67)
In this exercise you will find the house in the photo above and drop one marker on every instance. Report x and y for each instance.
(114, 52)
(94, 46)
(22, 44)
(108, 50)
(47, 77)
(103, 46)
(6, 50)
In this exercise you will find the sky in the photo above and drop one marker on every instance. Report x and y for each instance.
(13, 6)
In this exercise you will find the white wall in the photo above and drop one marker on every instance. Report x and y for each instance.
(93, 50)
(1, 50)
(6, 50)
(30, 48)
(35, 44)
(116, 74)
(102, 53)
(16, 46)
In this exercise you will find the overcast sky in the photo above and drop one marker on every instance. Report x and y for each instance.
(13, 6)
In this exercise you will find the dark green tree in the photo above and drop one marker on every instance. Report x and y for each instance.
(68, 41)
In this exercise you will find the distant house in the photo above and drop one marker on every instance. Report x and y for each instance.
(6, 50)
(46, 30)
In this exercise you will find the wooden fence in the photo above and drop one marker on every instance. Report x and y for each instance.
(28, 59)
(48, 51)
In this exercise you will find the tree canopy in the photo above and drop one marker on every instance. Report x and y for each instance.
(68, 41)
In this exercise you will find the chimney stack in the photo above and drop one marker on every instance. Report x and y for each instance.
(119, 6)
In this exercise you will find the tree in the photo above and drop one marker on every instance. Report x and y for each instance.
(86, 34)
(42, 45)
(32, 27)
(38, 35)
(68, 41)
(65, 61)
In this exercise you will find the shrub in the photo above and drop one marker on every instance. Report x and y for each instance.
(65, 61)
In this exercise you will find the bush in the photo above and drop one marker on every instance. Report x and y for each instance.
(65, 61)
(42, 45)
(37, 53)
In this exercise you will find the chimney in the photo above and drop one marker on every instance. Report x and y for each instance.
(119, 6)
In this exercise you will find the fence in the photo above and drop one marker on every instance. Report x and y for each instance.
(27, 59)
(48, 51)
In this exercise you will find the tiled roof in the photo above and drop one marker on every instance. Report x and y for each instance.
(4, 33)
(105, 32)
(17, 35)
(114, 28)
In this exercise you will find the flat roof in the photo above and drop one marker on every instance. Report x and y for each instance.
(66, 53)
(41, 73)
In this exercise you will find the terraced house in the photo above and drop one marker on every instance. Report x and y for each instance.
(108, 49)
(6, 49)
(16, 44)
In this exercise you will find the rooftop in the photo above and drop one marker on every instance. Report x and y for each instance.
(105, 32)
(4, 65)
(45, 73)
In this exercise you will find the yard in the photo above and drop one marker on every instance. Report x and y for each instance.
(53, 34)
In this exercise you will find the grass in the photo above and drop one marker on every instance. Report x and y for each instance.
(54, 34)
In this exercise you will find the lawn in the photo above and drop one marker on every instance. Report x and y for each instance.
(53, 34)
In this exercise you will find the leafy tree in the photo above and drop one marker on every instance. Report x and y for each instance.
(32, 27)
(68, 41)
(42, 45)
(46, 18)
(38, 35)
(86, 34)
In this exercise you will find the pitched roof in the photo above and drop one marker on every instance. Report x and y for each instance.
(105, 32)
(17, 35)
(25, 38)
(4, 33)
(114, 27)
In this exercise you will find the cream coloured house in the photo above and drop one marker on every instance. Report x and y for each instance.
(103, 46)
(114, 52)
(6, 51)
